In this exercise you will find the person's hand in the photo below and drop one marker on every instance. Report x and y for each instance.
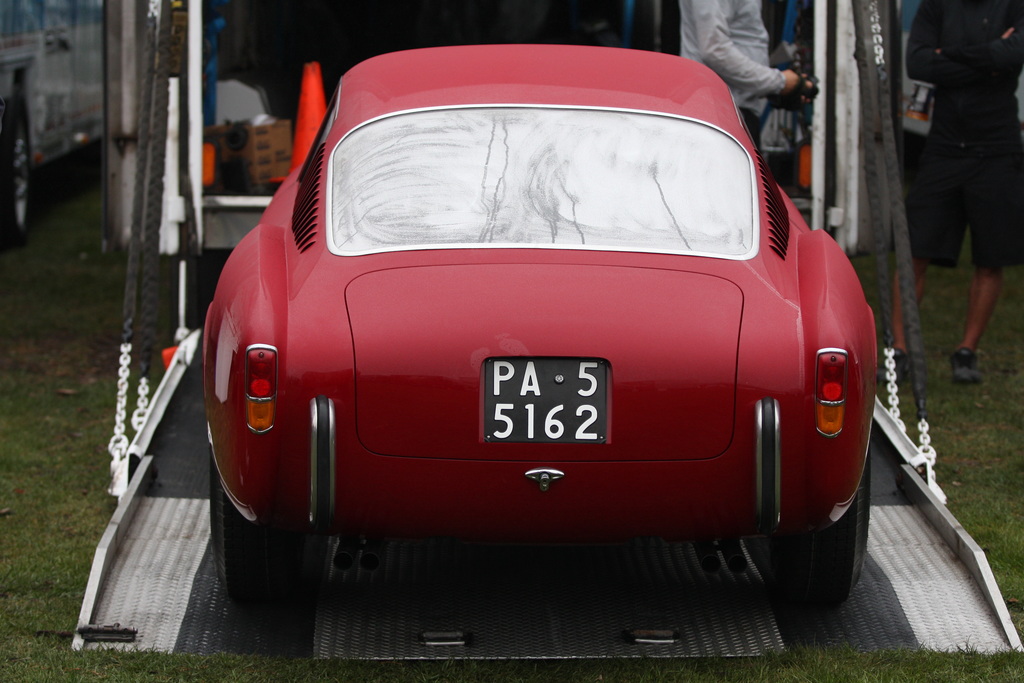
(792, 81)
(799, 89)
(1007, 33)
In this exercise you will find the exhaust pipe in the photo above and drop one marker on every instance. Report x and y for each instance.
(345, 554)
(707, 555)
(366, 552)
(369, 561)
(732, 550)
(369, 558)
(710, 554)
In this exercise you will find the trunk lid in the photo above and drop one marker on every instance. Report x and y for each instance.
(422, 336)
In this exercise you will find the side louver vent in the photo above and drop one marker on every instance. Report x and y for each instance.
(304, 216)
(778, 216)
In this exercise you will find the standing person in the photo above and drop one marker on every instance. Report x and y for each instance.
(729, 37)
(970, 171)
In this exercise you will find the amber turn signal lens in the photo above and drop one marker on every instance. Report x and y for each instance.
(830, 418)
(260, 414)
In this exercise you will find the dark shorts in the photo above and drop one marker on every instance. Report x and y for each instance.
(949, 194)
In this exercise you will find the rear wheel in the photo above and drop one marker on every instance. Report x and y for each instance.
(824, 566)
(255, 563)
(14, 174)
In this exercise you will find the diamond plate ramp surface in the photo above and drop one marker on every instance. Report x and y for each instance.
(537, 602)
(150, 582)
(936, 592)
(870, 619)
(214, 623)
(541, 602)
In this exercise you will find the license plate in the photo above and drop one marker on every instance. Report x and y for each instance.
(545, 400)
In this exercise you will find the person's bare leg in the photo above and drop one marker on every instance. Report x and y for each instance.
(986, 285)
(981, 302)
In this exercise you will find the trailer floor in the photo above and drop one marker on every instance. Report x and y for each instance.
(441, 599)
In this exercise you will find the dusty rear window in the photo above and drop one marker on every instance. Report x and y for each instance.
(541, 177)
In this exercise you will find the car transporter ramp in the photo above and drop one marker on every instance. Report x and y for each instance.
(926, 584)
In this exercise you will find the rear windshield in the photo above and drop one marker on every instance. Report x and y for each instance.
(541, 177)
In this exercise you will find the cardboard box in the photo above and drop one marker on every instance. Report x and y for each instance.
(263, 152)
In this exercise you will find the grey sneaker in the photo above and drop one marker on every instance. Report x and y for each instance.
(965, 367)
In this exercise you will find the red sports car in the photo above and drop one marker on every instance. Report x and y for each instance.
(537, 294)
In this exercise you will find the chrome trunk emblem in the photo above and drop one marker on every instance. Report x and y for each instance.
(544, 477)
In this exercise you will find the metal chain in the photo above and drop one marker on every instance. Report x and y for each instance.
(118, 446)
(142, 405)
(924, 461)
(925, 439)
(925, 458)
(891, 388)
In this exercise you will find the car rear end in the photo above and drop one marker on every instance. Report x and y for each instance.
(554, 338)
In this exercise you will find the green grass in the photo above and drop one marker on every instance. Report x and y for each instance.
(60, 321)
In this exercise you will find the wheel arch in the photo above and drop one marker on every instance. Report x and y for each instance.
(248, 308)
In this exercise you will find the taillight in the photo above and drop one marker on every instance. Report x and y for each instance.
(260, 387)
(830, 392)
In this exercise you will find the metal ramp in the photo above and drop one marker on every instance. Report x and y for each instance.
(925, 583)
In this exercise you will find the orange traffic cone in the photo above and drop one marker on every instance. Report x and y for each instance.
(312, 107)
(168, 355)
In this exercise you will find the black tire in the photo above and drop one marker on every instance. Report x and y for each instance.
(824, 566)
(15, 173)
(254, 563)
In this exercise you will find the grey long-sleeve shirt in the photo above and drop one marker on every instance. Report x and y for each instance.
(729, 37)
